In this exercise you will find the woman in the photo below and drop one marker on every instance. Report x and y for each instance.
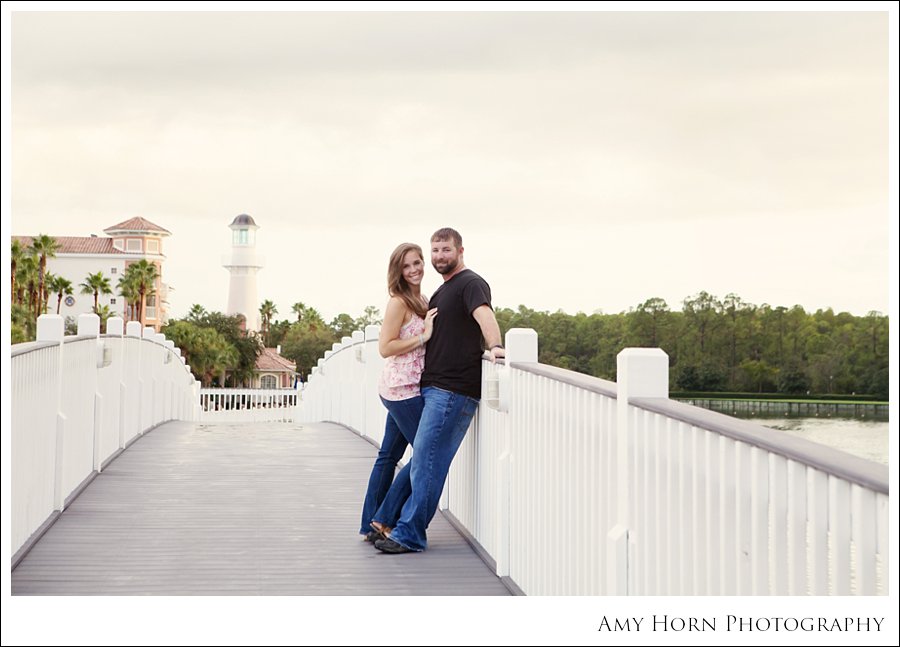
(407, 326)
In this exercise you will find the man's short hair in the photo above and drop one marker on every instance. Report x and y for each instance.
(447, 233)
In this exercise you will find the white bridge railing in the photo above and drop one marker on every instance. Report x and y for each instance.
(572, 485)
(248, 405)
(78, 402)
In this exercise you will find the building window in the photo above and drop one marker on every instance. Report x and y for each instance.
(268, 382)
(134, 245)
(119, 244)
(112, 301)
(150, 303)
(70, 301)
(113, 270)
(153, 247)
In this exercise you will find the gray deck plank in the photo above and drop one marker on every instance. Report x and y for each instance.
(238, 509)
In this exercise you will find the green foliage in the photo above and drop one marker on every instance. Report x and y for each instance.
(215, 347)
(722, 344)
(277, 331)
(714, 345)
(793, 379)
(17, 334)
(344, 325)
(22, 326)
(371, 317)
(304, 345)
(96, 284)
(137, 283)
(705, 377)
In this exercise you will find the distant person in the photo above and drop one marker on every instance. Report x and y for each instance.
(407, 327)
(450, 386)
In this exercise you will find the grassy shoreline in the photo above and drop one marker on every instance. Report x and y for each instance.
(792, 400)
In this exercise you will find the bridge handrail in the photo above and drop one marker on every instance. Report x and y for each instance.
(580, 380)
(80, 400)
(868, 474)
(831, 461)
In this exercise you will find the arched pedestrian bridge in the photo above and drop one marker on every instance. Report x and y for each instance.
(126, 479)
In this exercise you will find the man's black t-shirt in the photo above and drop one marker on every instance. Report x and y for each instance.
(453, 354)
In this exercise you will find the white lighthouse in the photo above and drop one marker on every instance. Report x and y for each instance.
(243, 264)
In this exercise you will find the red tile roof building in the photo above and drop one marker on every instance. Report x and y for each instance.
(274, 371)
(127, 242)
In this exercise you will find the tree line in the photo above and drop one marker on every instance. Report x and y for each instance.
(221, 353)
(713, 344)
(724, 344)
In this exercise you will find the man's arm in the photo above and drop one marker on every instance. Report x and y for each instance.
(490, 330)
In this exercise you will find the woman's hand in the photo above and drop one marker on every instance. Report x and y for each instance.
(429, 323)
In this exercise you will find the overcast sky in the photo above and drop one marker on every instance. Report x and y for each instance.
(590, 160)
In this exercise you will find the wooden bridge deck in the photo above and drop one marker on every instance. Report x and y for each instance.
(238, 509)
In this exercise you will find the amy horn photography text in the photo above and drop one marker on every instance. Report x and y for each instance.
(741, 623)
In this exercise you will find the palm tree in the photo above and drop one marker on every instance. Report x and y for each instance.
(309, 315)
(44, 247)
(143, 276)
(267, 310)
(59, 285)
(313, 319)
(17, 253)
(128, 291)
(26, 280)
(196, 313)
(96, 284)
(104, 313)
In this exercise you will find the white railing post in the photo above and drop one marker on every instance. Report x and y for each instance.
(133, 329)
(89, 324)
(641, 373)
(52, 328)
(159, 389)
(359, 380)
(169, 408)
(115, 326)
(521, 346)
(375, 412)
(196, 399)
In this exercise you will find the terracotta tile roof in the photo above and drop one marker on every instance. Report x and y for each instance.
(270, 360)
(136, 224)
(77, 244)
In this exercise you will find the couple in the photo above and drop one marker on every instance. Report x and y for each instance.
(430, 396)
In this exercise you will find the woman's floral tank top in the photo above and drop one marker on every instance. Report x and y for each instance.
(402, 373)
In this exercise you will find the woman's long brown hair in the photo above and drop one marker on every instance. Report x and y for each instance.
(397, 285)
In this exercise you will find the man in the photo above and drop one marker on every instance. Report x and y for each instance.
(451, 385)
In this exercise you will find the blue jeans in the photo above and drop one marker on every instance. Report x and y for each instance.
(399, 431)
(445, 420)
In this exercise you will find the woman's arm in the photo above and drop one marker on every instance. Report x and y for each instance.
(389, 342)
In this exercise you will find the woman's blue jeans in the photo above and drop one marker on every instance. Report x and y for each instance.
(399, 431)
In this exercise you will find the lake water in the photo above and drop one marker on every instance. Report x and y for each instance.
(865, 438)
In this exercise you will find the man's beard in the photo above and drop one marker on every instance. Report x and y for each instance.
(448, 268)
